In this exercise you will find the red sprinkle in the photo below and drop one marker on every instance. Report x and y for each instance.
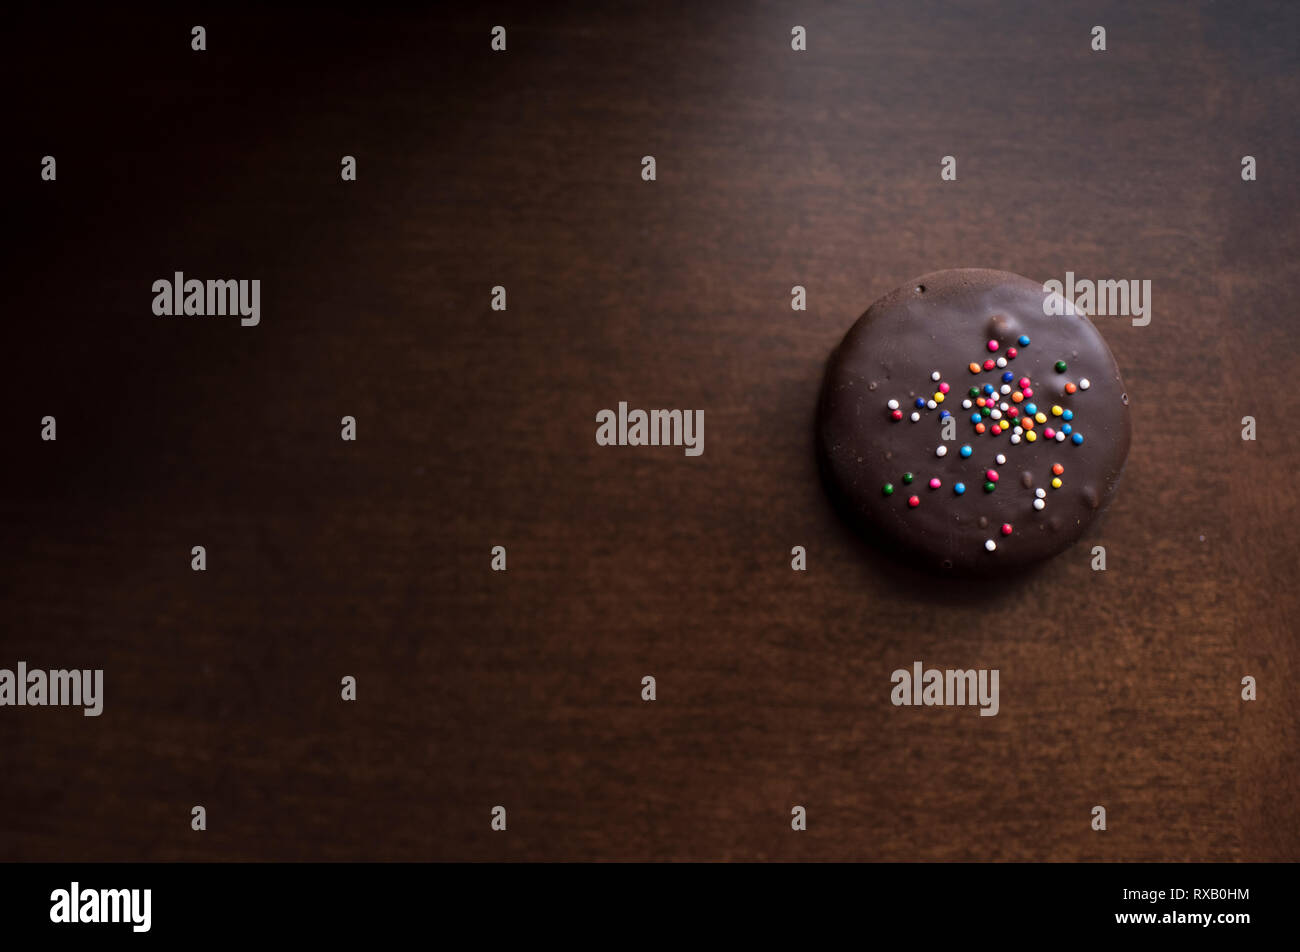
(989, 364)
(914, 501)
(1006, 528)
(897, 414)
(1011, 353)
(992, 475)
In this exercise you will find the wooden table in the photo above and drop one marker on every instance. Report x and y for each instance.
(476, 428)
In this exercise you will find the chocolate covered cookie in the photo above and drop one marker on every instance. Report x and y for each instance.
(963, 426)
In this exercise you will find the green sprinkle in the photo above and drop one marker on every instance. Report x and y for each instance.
(1060, 366)
(990, 486)
(907, 478)
(888, 489)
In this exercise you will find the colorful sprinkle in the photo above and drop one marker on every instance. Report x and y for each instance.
(1084, 384)
(1001, 362)
(989, 364)
(934, 482)
(915, 416)
(959, 488)
(907, 479)
(990, 486)
(914, 501)
(893, 404)
(887, 489)
(897, 414)
(1070, 388)
(936, 376)
(991, 475)
(1067, 415)
(990, 544)
(1076, 439)
(993, 345)
(973, 368)
(1057, 469)
(1060, 367)
(1056, 411)
(1049, 433)
(965, 451)
(1056, 482)
(1011, 353)
(941, 450)
(1001, 460)
(920, 402)
(943, 388)
(1006, 528)
(1024, 341)
(1039, 504)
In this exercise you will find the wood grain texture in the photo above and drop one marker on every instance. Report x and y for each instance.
(476, 428)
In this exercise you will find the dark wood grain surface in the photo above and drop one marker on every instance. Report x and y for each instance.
(476, 428)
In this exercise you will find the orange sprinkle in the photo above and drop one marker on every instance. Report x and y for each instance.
(1057, 469)
(980, 428)
(1070, 388)
(974, 368)
(1017, 397)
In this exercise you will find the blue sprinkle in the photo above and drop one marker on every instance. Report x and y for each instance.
(990, 389)
(1076, 439)
(944, 414)
(1024, 340)
(1008, 377)
(1066, 429)
(1031, 408)
(959, 488)
(1067, 415)
(965, 451)
(920, 402)
(976, 418)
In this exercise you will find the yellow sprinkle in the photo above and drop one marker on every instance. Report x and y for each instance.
(1056, 411)
(1040, 416)
(1030, 436)
(938, 398)
(1056, 482)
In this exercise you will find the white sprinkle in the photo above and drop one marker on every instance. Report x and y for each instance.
(935, 376)
(1060, 437)
(1002, 460)
(941, 450)
(1004, 407)
(1084, 384)
(1040, 492)
(930, 404)
(1018, 430)
(990, 545)
(893, 404)
(1039, 504)
(1015, 438)
(1006, 388)
(1001, 361)
(915, 416)
(996, 414)
(965, 404)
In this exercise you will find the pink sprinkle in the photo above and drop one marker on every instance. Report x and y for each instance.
(934, 482)
(1049, 433)
(1024, 382)
(993, 345)
(943, 388)
(992, 475)
(1027, 392)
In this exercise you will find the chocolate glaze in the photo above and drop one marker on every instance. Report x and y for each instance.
(943, 321)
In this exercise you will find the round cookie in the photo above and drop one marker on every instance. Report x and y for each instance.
(1033, 401)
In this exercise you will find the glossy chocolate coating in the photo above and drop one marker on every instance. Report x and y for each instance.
(944, 321)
